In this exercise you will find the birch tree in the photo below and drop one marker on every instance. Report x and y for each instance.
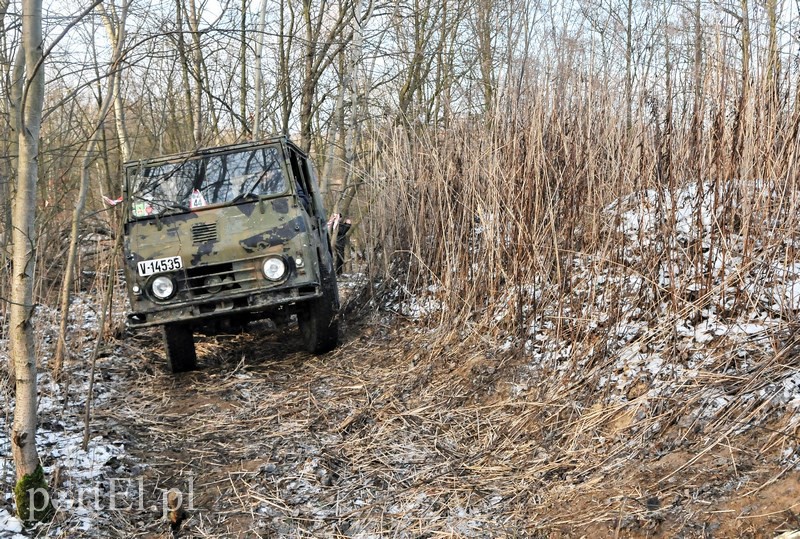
(15, 74)
(114, 23)
(31, 485)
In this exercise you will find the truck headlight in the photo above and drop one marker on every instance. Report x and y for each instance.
(274, 268)
(163, 287)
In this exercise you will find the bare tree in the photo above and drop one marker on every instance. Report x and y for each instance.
(5, 171)
(485, 32)
(426, 33)
(283, 80)
(16, 75)
(325, 38)
(116, 33)
(114, 23)
(418, 63)
(31, 485)
(773, 57)
(183, 53)
(243, 71)
(258, 77)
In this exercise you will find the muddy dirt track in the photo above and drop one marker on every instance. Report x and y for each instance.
(387, 438)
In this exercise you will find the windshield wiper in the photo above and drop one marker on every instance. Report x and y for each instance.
(173, 208)
(245, 196)
(251, 193)
(270, 167)
(169, 209)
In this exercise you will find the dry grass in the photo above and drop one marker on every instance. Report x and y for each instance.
(391, 437)
(573, 241)
(428, 427)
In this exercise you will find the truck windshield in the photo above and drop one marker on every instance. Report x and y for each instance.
(201, 181)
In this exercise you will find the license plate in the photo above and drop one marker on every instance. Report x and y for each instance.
(159, 265)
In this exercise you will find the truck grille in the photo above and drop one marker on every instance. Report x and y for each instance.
(204, 232)
(209, 280)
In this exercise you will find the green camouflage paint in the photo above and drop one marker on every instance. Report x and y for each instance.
(222, 246)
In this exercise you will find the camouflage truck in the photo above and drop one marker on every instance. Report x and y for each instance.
(225, 235)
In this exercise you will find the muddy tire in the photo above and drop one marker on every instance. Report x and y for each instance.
(179, 346)
(319, 325)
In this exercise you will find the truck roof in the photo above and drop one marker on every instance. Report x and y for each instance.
(212, 150)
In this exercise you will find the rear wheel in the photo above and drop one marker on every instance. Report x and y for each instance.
(179, 346)
(318, 323)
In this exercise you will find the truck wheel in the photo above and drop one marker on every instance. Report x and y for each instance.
(318, 323)
(179, 346)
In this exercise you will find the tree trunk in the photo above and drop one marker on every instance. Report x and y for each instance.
(308, 87)
(184, 59)
(258, 76)
(629, 66)
(5, 172)
(322, 46)
(119, 119)
(285, 47)
(197, 69)
(741, 109)
(486, 49)
(14, 104)
(773, 58)
(697, 103)
(115, 28)
(243, 73)
(354, 61)
(23, 432)
(332, 177)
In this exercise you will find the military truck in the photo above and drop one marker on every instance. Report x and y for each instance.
(226, 235)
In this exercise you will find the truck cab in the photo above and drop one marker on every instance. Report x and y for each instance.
(228, 234)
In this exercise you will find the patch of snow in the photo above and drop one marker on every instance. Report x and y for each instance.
(10, 524)
(83, 475)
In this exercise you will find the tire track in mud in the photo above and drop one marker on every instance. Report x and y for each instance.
(267, 441)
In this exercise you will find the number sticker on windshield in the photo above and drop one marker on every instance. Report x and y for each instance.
(159, 265)
(142, 209)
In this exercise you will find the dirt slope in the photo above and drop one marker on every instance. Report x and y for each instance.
(386, 439)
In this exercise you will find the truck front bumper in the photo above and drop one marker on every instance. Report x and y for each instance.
(252, 302)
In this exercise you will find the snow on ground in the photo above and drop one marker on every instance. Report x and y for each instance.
(693, 295)
(10, 526)
(80, 479)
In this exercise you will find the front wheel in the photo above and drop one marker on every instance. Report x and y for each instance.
(319, 325)
(179, 347)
